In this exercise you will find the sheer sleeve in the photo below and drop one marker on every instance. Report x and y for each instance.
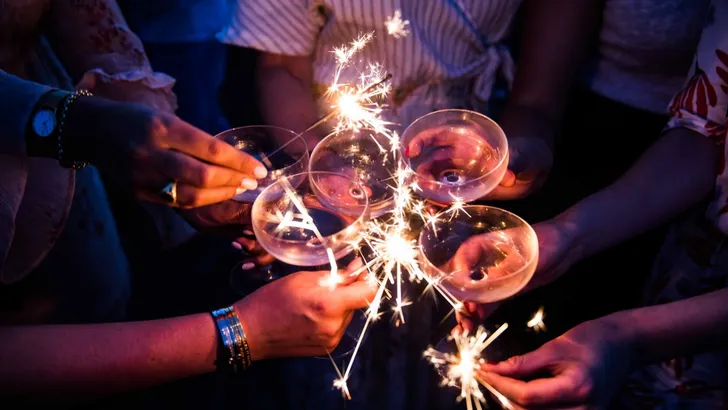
(19, 97)
(99, 50)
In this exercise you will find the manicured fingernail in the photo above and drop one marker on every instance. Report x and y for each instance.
(237, 246)
(247, 232)
(260, 172)
(248, 266)
(240, 191)
(249, 183)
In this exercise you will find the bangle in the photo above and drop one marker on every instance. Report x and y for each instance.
(234, 343)
(67, 103)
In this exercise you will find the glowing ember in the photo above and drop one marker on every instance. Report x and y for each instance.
(396, 27)
(536, 323)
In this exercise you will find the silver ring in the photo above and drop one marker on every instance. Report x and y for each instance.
(169, 193)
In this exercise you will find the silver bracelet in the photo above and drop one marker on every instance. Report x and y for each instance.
(233, 339)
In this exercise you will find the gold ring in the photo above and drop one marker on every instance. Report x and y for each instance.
(169, 193)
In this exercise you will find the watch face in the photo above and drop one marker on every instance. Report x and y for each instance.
(44, 123)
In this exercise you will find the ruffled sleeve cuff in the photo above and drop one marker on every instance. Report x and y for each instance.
(149, 88)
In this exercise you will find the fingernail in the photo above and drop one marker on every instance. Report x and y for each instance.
(248, 266)
(237, 246)
(249, 183)
(240, 191)
(260, 171)
(247, 232)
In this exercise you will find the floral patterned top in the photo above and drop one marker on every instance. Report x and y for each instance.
(702, 105)
(694, 257)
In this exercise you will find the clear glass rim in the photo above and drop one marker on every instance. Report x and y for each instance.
(382, 206)
(362, 218)
(295, 135)
(501, 137)
(467, 208)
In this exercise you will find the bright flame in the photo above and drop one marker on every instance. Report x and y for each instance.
(396, 27)
(460, 369)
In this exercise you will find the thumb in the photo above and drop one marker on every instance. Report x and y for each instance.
(356, 295)
(520, 366)
(509, 179)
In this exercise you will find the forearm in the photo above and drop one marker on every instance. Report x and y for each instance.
(287, 100)
(64, 361)
(675, 173)
(690, 326)
(556, 39)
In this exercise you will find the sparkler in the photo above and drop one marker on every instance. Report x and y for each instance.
(460, 369)
(536, 321)
(391, 240)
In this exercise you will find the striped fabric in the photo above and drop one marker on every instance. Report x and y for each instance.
(450, 58)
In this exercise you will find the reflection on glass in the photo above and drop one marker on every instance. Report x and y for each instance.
(482, 254)
(456, 155)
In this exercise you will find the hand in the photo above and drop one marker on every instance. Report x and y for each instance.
(556, 254)
(298, 316)
(529, 163)
(443, 148)
(147, 149)
(585, 366)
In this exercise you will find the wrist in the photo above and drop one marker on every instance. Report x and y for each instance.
(625, 329)
(521, 121)
(233, 352)
(84, 125)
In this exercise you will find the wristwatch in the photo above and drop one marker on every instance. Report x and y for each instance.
(42, 134)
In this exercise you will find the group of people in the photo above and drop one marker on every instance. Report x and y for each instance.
(615, 114)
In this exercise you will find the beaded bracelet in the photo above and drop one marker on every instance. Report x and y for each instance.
(67, 103)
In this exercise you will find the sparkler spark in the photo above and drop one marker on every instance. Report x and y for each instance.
(460, 369)
(536, 321)
(391, 240)
(396, 27)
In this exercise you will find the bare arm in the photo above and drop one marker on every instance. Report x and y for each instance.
(286, 93)
(67, 361)
(675, 173)
(557, 37)
(690, 326)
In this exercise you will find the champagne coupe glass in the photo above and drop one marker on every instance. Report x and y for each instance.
(456, 155)
(364, 156)
(304, 219)
(283, 152)
(482, 254)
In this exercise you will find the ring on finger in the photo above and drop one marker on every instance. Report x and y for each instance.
(169, 193)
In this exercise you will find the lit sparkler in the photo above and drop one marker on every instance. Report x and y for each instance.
(536, 323)
(391, 240)
(460, 369)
